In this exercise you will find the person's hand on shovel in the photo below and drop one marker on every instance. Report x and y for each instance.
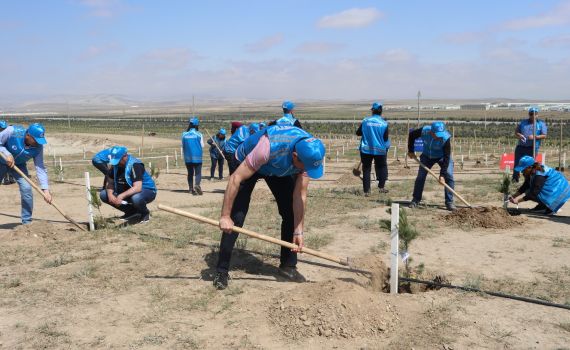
(226, 224)
(412, 155)
(9, 161)
(47, 196)
(298, 240)
(442, 180)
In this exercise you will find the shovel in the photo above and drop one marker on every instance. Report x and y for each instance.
(356, 170)
(253, 234)
(37, 188)
(443, 184)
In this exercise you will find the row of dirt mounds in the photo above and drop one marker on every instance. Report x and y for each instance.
(338, 308)
(483, 217)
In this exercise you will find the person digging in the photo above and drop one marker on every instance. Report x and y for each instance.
(285, 157)
(129, 187)
(8, 179)
(18, 145)
(542, 184)
(238, 137)
(437, 150)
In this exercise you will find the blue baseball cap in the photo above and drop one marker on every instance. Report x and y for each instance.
(438, 128)
(533, 109)
(524, 163)
(288, 105)
(3, 124)
(376, 105)
(222, 131)
(254, 127)
(117, 152)
(311, 152)
(37, 131)
(194, 121)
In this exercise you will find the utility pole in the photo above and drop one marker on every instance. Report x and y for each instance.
(419, 95)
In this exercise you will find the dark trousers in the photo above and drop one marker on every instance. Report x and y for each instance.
(520, 151)
(136, 203)
(282, 189)
(422, 174)
(380, 167)
(194, 170)
(220, 163)
(233, 163)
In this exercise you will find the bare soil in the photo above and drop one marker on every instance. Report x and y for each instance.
(483, 217)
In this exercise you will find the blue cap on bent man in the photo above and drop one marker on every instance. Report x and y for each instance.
(311, 152)
(524, 163)
(117, 152)
(37, 131)
(438, 128)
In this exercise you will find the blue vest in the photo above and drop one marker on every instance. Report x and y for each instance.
(282, 140)
(147, 182)
(214, 153)
(286, 119)
(192, 146)
(525, 128)
(237, 138)
(372, 141)
(433, 148)
(17, 147)
(556, 190)
(102, 157)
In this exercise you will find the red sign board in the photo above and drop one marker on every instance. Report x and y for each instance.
(508, 160)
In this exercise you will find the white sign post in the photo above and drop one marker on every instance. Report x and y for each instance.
(394, 248)
(89, 202)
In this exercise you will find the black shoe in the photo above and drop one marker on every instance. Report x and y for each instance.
(198, 190)
(413, 204)
(450, 206)
(129, 216)
(221, 280)
(366, 194)
(193, 191)
(145, 218)
(539, 207)
(292, 274)
(383, 190)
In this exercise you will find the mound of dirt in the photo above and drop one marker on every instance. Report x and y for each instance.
(378, 280)
(484, 217)
(349, 179)
(42, 230)
(333, 309)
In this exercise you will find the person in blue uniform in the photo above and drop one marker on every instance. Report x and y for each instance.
(288, 117)
(8, 179)
(237, 138)
(542, 184)
(192, 144)
(437, 150)
(216, 144)
(525, 135)
(285, 157)
(129, 186)
(18, 145)
(374, 145)
(101, 160)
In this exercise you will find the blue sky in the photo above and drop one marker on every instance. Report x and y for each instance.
(318, 49)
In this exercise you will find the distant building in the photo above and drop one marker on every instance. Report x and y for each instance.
(475, 107)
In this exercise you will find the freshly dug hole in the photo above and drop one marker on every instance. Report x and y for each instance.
(483, 217)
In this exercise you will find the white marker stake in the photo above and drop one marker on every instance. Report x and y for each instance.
(61, 168)
(167, 166)
(394, 256)
(89, 202)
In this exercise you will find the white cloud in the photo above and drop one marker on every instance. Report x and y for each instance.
(555, 41)
(352, 18)
(264, 44)
(317, 47)
(397, 56)
(560, 15)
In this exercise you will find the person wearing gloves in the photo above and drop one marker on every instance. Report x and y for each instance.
(129, 187)
(374, 145)
(437, 150)
(216, 144)
(542, 184)
(18, 145)
(524, 133)
(285, 157)
(192, 144)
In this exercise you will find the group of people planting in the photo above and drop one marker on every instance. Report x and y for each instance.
(285, 156)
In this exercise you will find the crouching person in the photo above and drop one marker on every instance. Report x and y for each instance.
(542, 184)
(129, 187)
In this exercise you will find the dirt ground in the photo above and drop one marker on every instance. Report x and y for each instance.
(150, 286)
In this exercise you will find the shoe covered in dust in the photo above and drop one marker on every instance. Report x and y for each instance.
(221, 280)
(292, 274)
(413, 205)
(198, 190)
(450, 206)
(129, 216)
(193, 191)
(383, 190)
(366, 194)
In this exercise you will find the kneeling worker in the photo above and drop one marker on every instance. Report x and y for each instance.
(437, 150)
(129, 187)
(542, 184)
(285, 157)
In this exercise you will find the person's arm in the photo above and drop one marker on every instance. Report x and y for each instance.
(446, 159)
(210, 142)
(110, 188)
(386, 134)
(359, 130)
(299, 207)
(242, 173)
(298, 124)
(138, 169)
(543, 131)
(4, 136)
(533, 191)
(41, 173)
(518, 133)
(412, 136)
